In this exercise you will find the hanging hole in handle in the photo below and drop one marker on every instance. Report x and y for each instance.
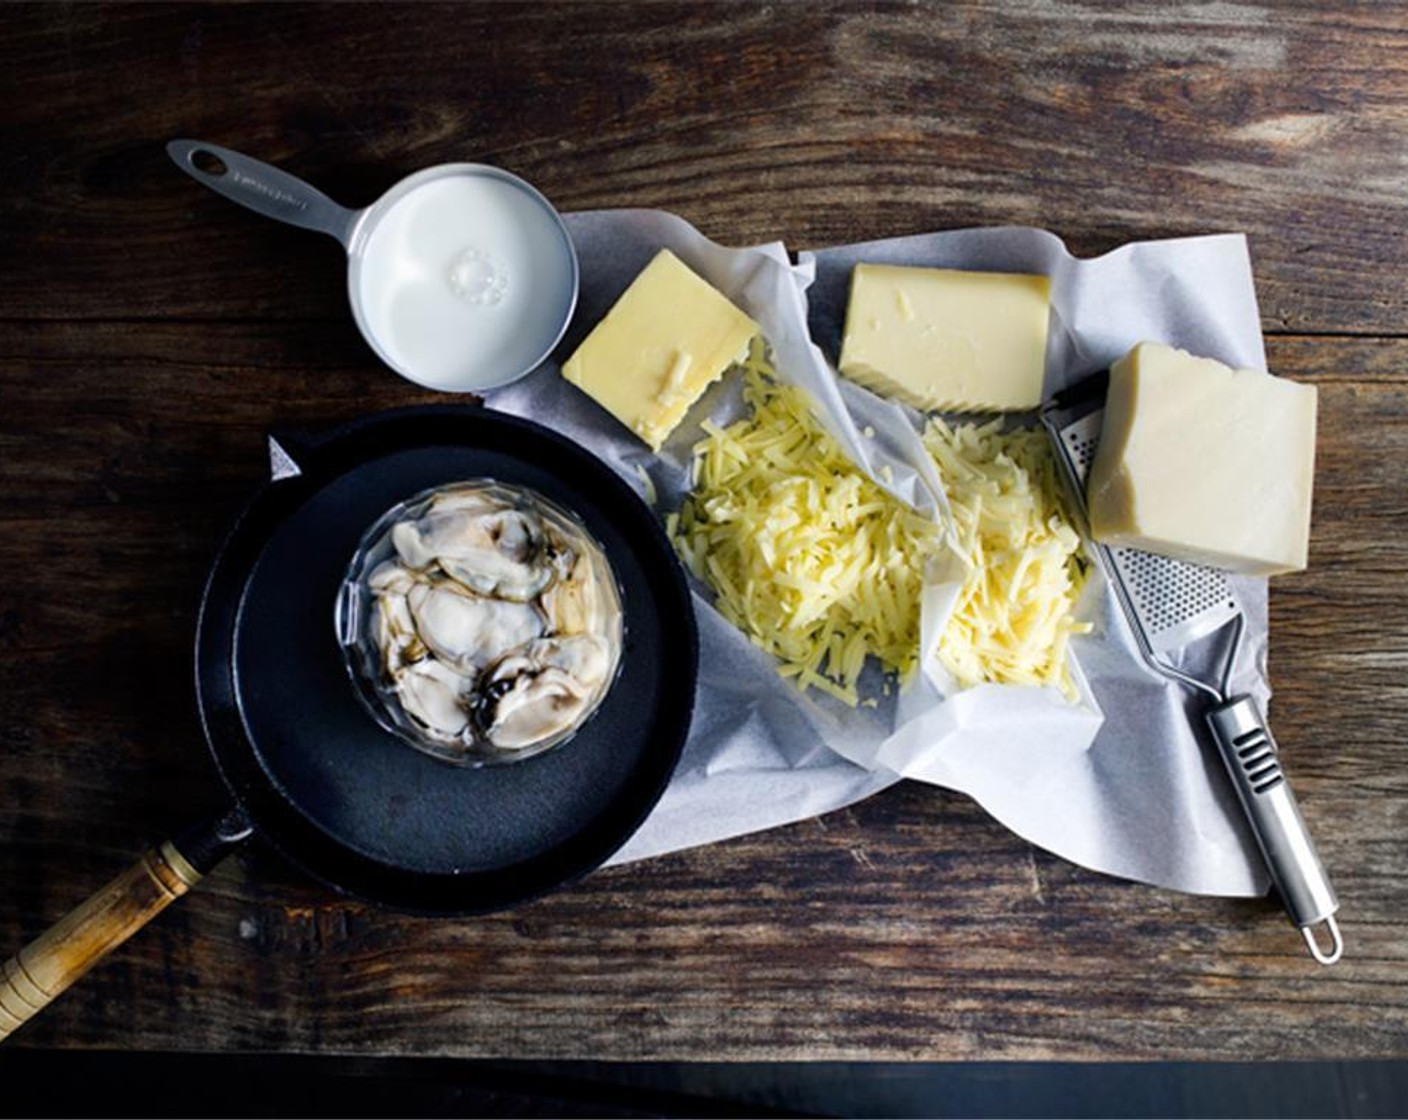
(208, 163)
(1336, 942)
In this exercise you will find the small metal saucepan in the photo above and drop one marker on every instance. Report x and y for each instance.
(461, 277)
(317, 778)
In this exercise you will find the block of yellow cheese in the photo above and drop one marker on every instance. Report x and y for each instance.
(667, 338)
(944, 340)
(1205, 463)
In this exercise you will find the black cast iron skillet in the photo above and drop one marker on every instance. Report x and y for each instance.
(312, 773)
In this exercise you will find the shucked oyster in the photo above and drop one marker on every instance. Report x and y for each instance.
(495, 618)
(469, 631)
(541, 690)
(492, 551)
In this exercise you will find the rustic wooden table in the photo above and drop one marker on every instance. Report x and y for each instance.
(150, 333)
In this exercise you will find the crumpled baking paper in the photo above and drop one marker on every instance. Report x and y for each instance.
(1120, 782)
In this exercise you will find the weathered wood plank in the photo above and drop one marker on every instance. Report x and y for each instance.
(912, 926)
(817, 124)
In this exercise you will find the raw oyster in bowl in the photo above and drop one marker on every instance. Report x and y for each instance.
(480, 622)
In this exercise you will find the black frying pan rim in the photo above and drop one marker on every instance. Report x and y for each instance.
(278, 822)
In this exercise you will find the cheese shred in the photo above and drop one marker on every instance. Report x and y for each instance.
(822, 568)
(1015, 613)
(806, 555)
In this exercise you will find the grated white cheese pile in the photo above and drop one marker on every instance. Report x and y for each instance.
(807, 556)
(1014, 616)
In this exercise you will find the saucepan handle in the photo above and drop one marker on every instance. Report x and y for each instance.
(263, 188)
(45, 967)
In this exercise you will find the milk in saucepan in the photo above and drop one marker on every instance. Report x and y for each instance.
(465, 281)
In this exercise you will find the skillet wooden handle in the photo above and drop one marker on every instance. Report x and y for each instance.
(68, 949)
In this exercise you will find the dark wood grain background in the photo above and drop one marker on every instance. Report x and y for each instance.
(150, 333)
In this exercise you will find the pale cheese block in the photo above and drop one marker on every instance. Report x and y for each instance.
(667, 338)
(1204, 463)
(945, 340)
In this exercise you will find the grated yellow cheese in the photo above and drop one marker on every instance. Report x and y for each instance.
(1014, 615)
(822, 568)
(806, 555)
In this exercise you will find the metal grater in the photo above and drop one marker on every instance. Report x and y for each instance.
(1170, 604)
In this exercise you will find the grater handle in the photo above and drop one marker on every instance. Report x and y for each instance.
(1250, 755)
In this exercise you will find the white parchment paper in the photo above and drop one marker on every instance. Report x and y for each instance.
(1120, 782)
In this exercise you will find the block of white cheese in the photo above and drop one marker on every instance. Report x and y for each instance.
(667, 338)
(944, 340)
(1204, 463)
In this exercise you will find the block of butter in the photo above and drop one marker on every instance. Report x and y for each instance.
(944, 340)
(667, 338)
(1204, 463)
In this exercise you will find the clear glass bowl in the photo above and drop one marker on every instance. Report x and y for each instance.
(363, 656)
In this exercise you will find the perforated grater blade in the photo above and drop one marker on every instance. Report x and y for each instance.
(1170, 604)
